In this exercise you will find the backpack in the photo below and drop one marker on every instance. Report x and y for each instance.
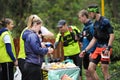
(101, 32)
(73, 33)
(86, 32)
(71, 30)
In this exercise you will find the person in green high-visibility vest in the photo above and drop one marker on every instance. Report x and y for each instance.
(69, 36)
(21, 55)
(7, 50)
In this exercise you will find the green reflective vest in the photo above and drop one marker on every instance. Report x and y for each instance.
(73, 47)
(22, 50)
(4, 57)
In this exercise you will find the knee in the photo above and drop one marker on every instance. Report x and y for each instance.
(90, 69)
(87, 73)
(104, 71)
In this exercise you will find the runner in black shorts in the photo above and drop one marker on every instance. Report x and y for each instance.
(104, 37)
(86, 37)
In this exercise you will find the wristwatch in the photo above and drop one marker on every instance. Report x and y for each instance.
(84, 51)
(108, 48)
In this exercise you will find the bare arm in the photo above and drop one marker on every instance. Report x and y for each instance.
(109, 44)
(91, 44)
(111, 40)
(48, 34)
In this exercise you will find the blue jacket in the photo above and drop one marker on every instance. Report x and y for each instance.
(34, 51)
(89, 28)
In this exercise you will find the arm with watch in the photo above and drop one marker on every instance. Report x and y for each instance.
(91, 44)
(106, 51)
(93, 41)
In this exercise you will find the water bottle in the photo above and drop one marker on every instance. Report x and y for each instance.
(46, 59)
(48, 44)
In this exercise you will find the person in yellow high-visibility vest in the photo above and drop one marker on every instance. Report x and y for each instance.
(21, 55)
(68, 35)
(7, 55)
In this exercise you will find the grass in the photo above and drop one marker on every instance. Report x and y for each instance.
(98, 71)
(114, 69)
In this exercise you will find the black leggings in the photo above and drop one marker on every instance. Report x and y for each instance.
(21, 64)
(7, 71)
(31, 72)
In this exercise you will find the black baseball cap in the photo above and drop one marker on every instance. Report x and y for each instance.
(61, 23)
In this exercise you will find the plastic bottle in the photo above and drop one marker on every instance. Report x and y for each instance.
(46, 59)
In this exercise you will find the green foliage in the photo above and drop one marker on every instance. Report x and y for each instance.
(52, 11)
(17, 10)
(115, 70)
(116, 46)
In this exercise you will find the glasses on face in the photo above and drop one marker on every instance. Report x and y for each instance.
(38, 22)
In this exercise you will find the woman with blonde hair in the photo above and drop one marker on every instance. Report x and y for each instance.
(33, 49)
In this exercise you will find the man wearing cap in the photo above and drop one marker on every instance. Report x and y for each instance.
(104, 36)
(68, 35)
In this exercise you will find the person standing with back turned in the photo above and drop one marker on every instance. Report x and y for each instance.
(104, 37)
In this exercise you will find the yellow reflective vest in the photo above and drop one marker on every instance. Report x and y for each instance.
(73, 47)
(22, 50)
(4, 57)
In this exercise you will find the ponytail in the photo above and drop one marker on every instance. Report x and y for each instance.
(5, 21)
(33, 19)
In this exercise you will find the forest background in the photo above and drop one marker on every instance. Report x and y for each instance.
(51, 11)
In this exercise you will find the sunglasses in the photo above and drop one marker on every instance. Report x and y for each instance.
(37, 21)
